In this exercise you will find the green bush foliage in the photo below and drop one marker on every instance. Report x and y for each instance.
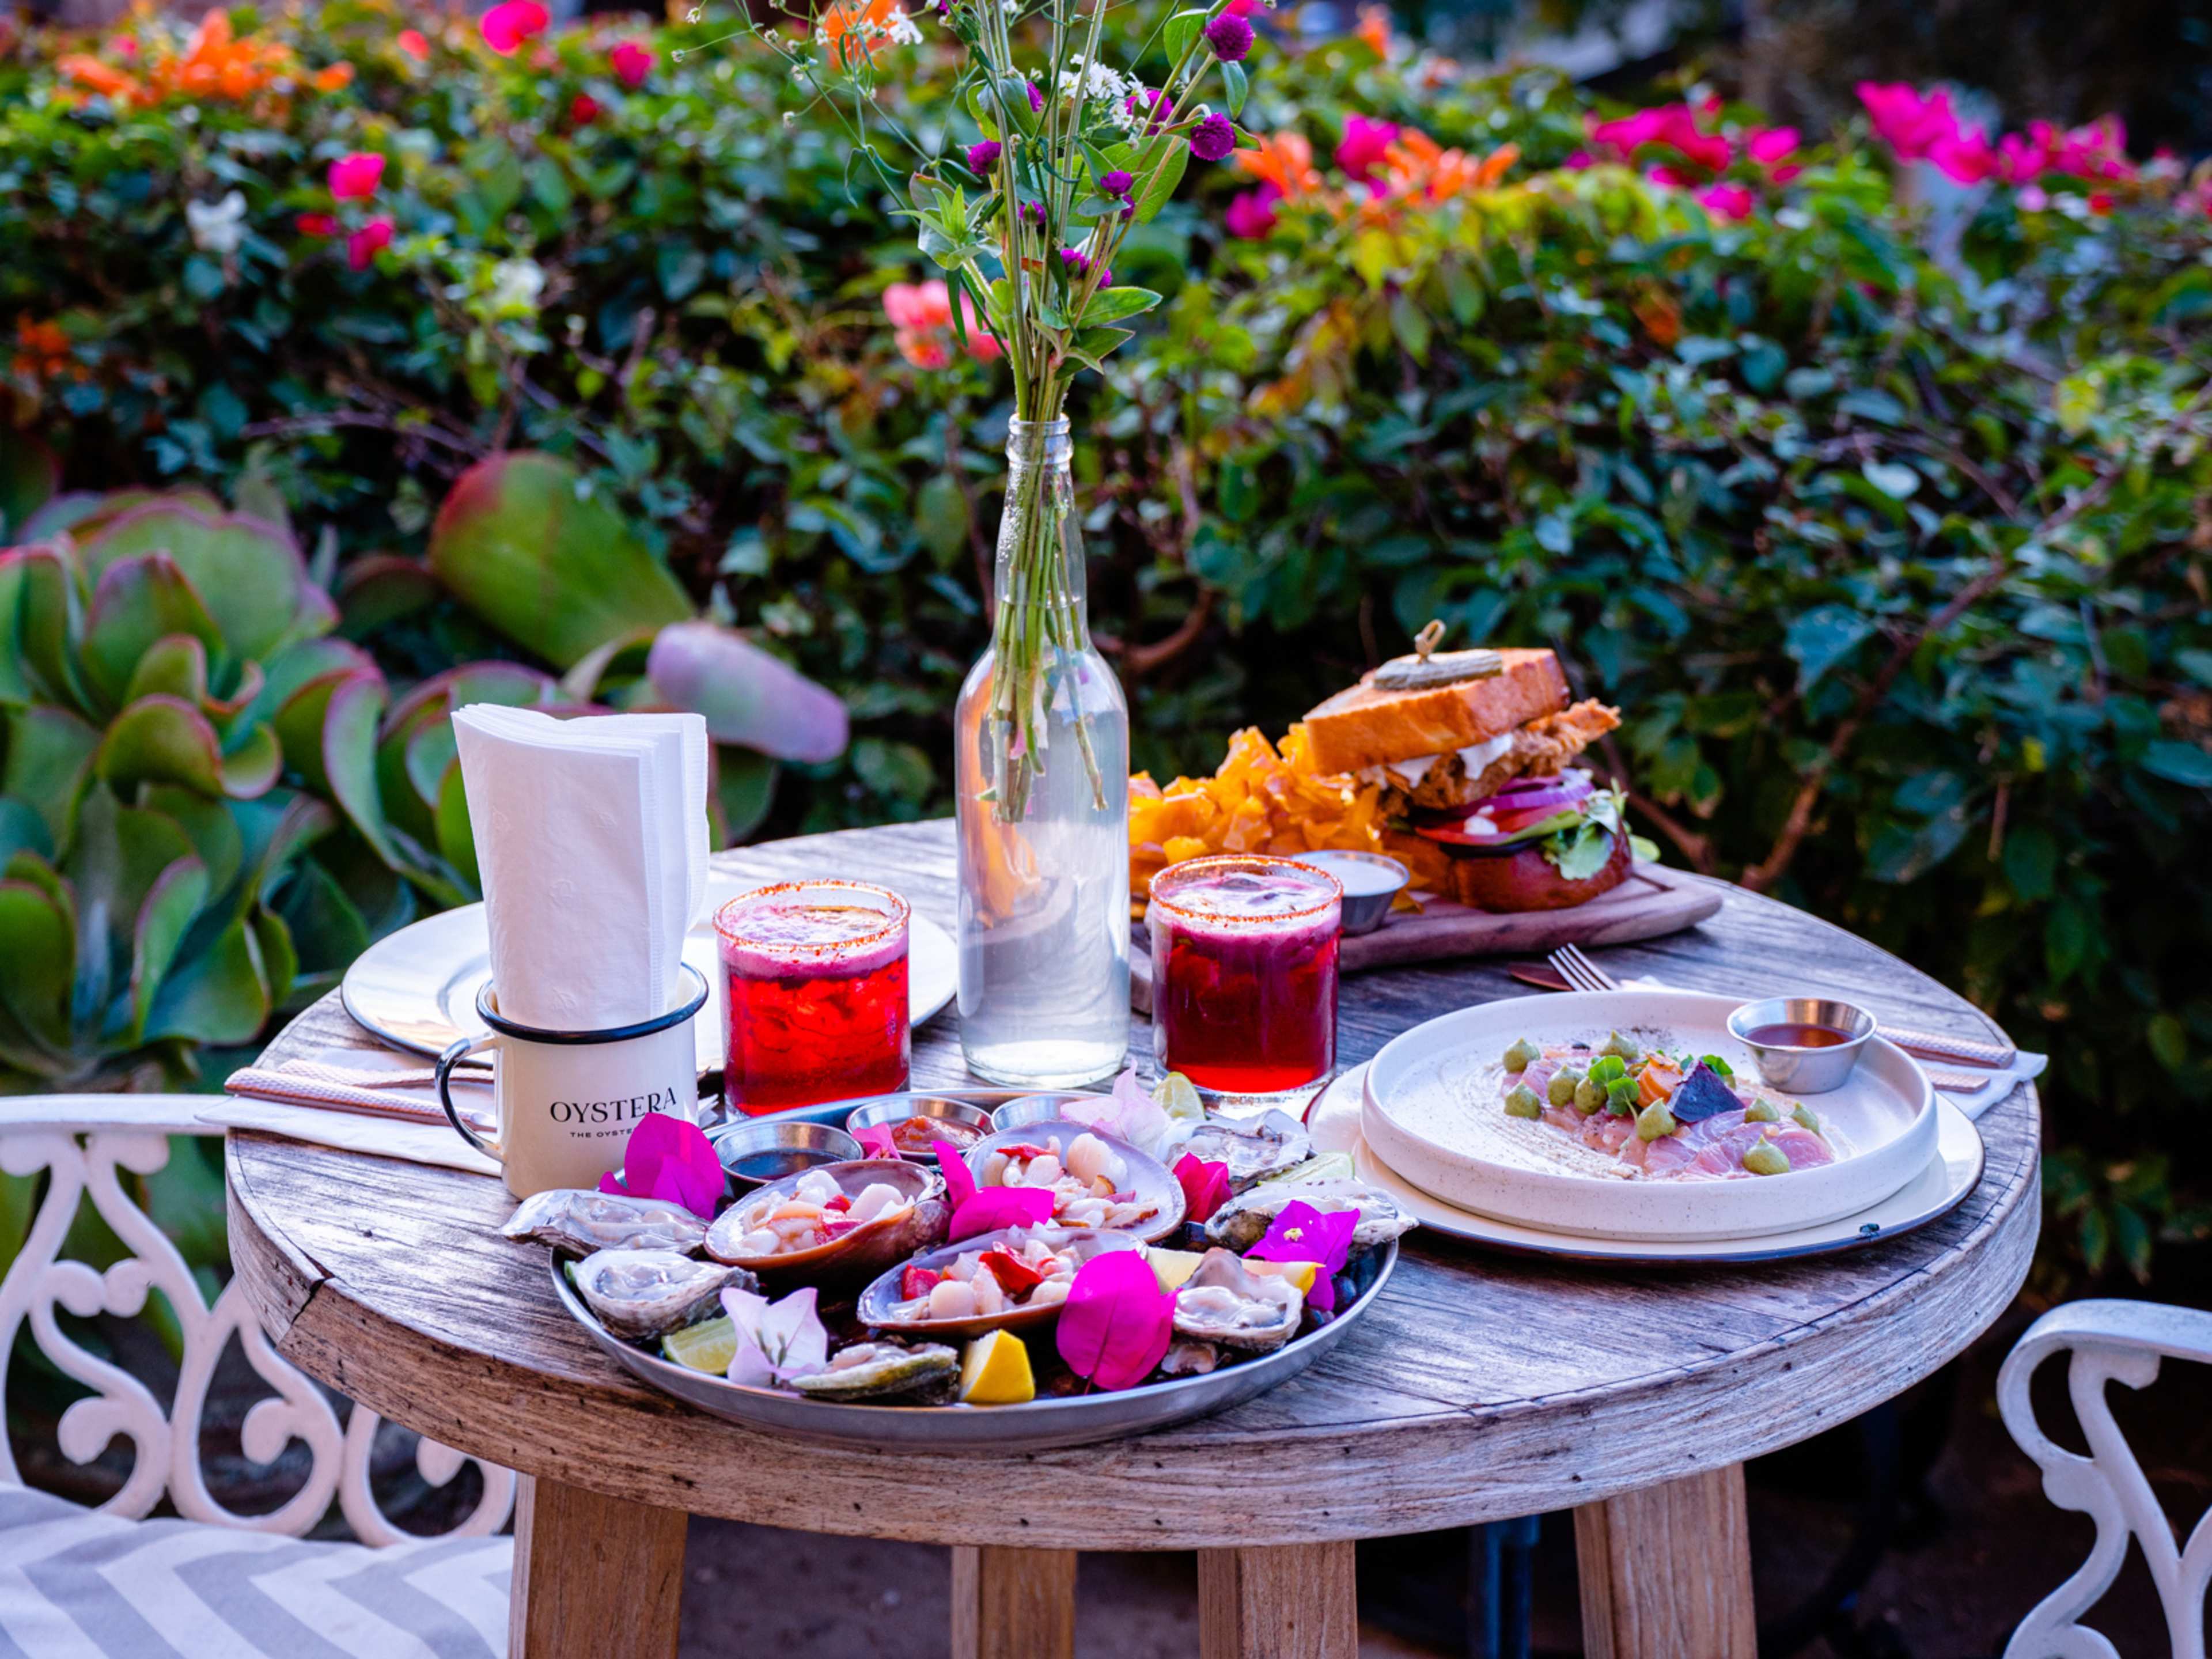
(1883, 511)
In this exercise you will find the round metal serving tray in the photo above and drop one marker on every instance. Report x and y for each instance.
(1041, 1426)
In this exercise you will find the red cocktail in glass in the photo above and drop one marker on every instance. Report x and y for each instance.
(814, 975)
(1244, 974)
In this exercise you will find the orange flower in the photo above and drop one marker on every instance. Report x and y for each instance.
(1375, 28)
(863, 24)
(214, 64)
(89, 72)
(1284, 160)
(333, 79)
(43, 351)
(1418, 166)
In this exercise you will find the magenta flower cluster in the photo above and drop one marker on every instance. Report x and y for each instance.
(1077, 265)
(982, 157)
(1213, 138)
(1230, 36)
(1921, 126)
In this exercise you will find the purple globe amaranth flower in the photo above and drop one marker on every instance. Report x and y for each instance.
(1033, 213)
(1117, 184)
(982, 157)
(1230, 36)
(1212, 139)
(1075, 263)
(1162, 107)
(1037, 98)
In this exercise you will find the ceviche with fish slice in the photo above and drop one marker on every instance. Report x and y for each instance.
(1657, 1114)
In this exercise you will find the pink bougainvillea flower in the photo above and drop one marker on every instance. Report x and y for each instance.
(1117, 1321)
(876, 1140)
(1727, 201)
(1769, 145)
(631, 62)
(986, 1209)
(583, 110)
(1911, 122)
(2098, 150)
(356, 178)
(508, 24)
(1302, 1233)
(1129, 1113)
(365, 244)
(414, 43)
(668, 1158)
(1966, 157)
(1674, 125)
(1205, 1185)
(1365, 145)
(2101, 202)
(317, 224)
(921, 315)
(1252, 216)
(776, 1341)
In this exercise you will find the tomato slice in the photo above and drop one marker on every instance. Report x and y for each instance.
(916, 1282)
(1015, 1276)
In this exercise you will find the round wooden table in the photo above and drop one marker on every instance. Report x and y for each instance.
(1480, 1386)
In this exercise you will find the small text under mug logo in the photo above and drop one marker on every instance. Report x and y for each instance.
(624, 1110)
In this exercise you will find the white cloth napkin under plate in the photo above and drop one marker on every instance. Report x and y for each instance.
(591, 838)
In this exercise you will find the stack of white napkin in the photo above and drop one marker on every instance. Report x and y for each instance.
(591, 839)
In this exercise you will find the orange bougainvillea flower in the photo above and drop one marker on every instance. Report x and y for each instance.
(215, 63)
(851, 29)
(42, 351)
(1284, 160)
(96, 77)
(1375, 28)
(1418, 166)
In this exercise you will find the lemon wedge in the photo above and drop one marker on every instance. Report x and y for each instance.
(1177, 1097)
(995, 1372)
(706, 1347)
(1300, 1273)
(1171, 1267)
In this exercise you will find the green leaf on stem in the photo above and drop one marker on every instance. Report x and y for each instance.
(955, 282)
(1111, 304)
(1234, 78)
(1160, 183)
(1182, 30)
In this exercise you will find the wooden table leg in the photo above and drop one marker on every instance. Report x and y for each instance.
(1666, 1573)
(594, 1577)
(1293, 1601)
(1013, 1604)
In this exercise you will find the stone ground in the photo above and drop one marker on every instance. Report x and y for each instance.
(1966, 1563)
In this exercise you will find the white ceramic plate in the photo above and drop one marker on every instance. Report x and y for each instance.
(1431, 1112)
(1334, 1122)
(417, 988)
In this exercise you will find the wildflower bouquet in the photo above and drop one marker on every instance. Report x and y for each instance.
(1058, 154)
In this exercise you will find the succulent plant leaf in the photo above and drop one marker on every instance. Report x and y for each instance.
(248, 572)
(375, 589)
(30, 473)
(217, 995)
(430, 756)
(49, 620)
(287, 672)
(160, 739)
(457, 841)
(326, 927)
(346, 744)
(81, 511)
(624, 652)
(22, 831)
(252, 765)
(556, 568)
(38, 940)
(137, 601)
(280, 956)
(744, 788)
(747, 695)
(16, 687)
(175, 665)
(162, 920)
(210, 826)
(50, 758)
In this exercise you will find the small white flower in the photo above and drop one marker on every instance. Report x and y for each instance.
(516, 285)
(1094, 81)
(901, 29)
(217, 227)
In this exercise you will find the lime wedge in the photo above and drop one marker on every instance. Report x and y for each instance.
(705, 1347)
(1323, 1166)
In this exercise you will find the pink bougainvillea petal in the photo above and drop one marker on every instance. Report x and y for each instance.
(876, 1141)
(959, 1180)
(994, 1207)
(668, 1158)
(1302, 1233)
(1117, 1321)
(1205, 1185)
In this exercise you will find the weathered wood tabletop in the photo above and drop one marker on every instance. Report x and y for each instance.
(1480, 1387)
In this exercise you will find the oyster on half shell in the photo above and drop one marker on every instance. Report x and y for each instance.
(1244, 1219)
(579, 1219)
(641, 1294)
(1225, 1303)
(1253, 1152)
(876, 1371)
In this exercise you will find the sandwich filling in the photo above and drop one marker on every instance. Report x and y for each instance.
(1539, 748)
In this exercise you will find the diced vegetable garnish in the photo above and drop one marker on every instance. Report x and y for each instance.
(915, 1282)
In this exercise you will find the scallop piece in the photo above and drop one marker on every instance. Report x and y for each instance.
(1225, 1303)
(1157, 1195)
(878, 1371)
(1254, 1151)
(640, 1294)
(579, 1219)
(953, 1314)
(1244, 1219)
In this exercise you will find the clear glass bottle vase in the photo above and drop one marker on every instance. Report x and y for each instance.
(1041, 758)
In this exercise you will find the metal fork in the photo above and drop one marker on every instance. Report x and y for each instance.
(1579, 971)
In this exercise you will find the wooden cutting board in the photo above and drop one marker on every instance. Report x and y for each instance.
(1653, 901)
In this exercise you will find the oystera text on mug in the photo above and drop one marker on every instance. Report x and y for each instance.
(611, 1111)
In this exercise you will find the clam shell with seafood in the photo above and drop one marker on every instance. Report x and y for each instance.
(796, 1231)
(1254, 1151)
(879, 1304)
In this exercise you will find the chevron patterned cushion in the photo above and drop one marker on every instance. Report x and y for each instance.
(78, 1585)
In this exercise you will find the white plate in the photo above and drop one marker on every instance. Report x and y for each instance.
(417, 988)
(1431, 1112)
(1954, 1172)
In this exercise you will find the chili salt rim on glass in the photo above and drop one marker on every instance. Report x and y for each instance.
(803, 954)
(1255, 863)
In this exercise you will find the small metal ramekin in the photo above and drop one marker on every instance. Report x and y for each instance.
(756, 1150)
(1362, 913)
(1033, 1108)
(895, 1110)
(1804, 1070)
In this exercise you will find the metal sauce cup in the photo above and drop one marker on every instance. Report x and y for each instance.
(1033, 1108)
(756, 1150)
(1803, 1070)
(895, 1110)
(1367, 899)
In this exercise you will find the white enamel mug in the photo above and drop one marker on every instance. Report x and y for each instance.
(567, 1101)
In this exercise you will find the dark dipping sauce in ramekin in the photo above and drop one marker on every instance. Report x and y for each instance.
(1796, 1036)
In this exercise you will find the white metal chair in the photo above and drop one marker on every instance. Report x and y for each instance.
(2108, 1341)
(74, 1580)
